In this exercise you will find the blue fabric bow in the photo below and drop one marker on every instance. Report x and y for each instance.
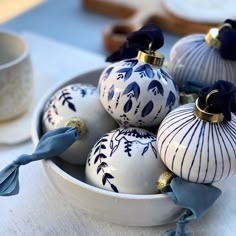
(222, 101)
(195, 198)
(51, 144)
(139, 40)
(227, 37)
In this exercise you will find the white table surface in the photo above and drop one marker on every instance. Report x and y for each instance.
(40, 210)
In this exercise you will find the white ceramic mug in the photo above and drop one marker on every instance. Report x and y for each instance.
(15, 76)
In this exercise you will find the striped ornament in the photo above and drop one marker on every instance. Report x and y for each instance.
(191, 58)
(195, 150)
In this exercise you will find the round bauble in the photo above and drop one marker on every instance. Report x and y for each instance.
(197, 57)
(125, 161)
(197, 150)
(136, 93)
(78, 103)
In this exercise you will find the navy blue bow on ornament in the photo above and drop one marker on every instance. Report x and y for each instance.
(223, 100)
(149, 34)
(51, 144)
(227, 36)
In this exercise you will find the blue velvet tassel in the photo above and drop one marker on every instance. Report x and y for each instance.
(139, 40)
(195, 198)
(228, 40)
(224, 100)
(51, 144)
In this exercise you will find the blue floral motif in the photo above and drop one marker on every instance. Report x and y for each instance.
(107, 73)
(137, 108)
(156, 87)
(133, 90)
(124, 134)
(170, 100)
(165, 75)
(84, 90)
(103, 166)
(131, 62)
(159, 111)
(124, 120)
(161, 73)
(128, 106)
(117, 100)
(110, 93)
(50, 110)
(124, 73)
(147, 109)
(66, 97)
(145, 70)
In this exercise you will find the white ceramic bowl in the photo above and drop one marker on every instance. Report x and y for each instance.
(124, 209)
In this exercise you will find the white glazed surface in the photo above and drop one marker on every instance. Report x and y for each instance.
(15, 76)
(195, 150)
(81, 101)
(125, 161)
(69, 180)
(191, 58)
(137, 94)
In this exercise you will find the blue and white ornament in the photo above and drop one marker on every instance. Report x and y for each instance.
(205, 58)
(125, 161)
(198, 142)
(137, 93)
(78, 103)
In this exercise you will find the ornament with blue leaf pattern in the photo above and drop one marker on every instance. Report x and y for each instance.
(123, 149)
(79, 101)
(137, 90)
(137, 93)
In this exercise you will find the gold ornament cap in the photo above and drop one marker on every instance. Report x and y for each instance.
(164, 179)
(151, 57)
(79, 124)
(213, 38)
(205, 111)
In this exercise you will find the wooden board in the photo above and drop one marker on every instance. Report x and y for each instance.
(135, 14)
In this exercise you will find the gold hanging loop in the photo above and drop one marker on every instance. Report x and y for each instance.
(209, 94)
(151, 57)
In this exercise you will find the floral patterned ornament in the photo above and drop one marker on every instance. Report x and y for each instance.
(126, 161)
(136, 91)
(137, 94)
(79, 101)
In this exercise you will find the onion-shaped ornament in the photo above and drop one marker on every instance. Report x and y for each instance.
(205, 58)
(138, 91)
(198, 142)
(78, 105)
(125, 160)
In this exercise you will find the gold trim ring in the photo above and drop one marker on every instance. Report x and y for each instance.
(164, 179)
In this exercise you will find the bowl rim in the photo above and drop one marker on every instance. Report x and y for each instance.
(35, 124)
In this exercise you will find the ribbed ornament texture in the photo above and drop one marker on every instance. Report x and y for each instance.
(191, 58)
(196, 150)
